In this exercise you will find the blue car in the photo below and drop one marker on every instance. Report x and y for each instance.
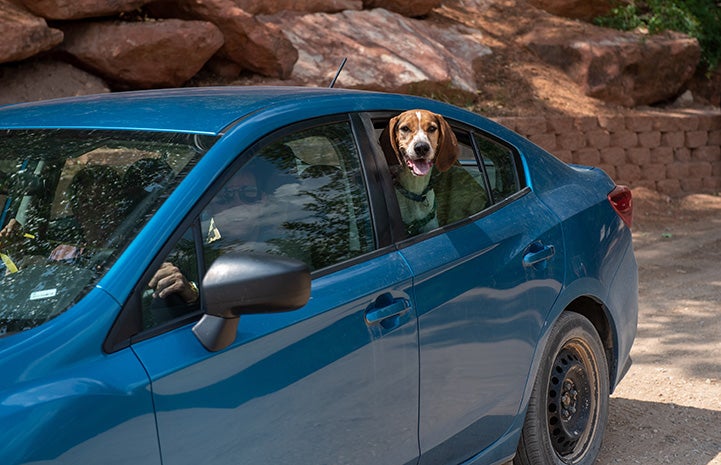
(227, 276)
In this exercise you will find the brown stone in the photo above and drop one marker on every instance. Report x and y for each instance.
(23, 34)
(422, 56)
(142, 55)
(257, 46)
(577, 9)
(624, 68)
(264, 7)
(33, 80)
(410, 8)
(79, 9)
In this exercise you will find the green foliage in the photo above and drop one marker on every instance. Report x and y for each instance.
(697, 18)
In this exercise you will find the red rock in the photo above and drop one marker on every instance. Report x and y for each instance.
(23, 34)
(625, 68)
(141, 55)
(78, 9)
(410, 8)
(577, 9)
(254, 45)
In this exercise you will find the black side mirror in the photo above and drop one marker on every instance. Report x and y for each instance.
(238, 284)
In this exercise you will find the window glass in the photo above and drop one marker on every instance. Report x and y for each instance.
(173, 290)
(71, 200)
(302, 196)
(500, 167)
(460, 191)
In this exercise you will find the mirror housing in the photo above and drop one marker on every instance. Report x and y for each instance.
(238, 284)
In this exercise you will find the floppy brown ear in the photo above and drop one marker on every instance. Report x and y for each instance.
(447, 145)
(389, 144)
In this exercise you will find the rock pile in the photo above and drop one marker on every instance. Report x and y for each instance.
(394, 45)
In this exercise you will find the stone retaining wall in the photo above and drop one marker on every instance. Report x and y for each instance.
(674, 153)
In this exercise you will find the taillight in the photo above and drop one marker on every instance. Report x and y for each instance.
(622, 201)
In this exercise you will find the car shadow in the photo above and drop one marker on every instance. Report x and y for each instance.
(653, 432)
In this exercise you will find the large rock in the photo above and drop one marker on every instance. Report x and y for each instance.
(33, 80)
(264, 7)
(577, 9)
(618, 67)
(419, 52)
(253, 45)
(143, 55)
(78, 9)
(23, 34)
(706, 85)
(410, 8)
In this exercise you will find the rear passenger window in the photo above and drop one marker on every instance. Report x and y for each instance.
(500, 167)
(460, 191)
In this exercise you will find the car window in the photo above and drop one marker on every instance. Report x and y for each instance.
(301, 196)
(461, 191)
(71, 200)
(500, 167)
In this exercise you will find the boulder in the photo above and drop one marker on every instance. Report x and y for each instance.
(706, 85)
(625, 68)
(79, 9)
(576, 9)
(33, 80)
(142, 55)
(410, 8)
(252, 44)
(419, 52)
(264, 7)
(24, 34)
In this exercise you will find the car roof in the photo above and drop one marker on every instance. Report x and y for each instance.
(203, 110)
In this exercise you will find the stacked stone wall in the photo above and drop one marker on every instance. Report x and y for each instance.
(673, 153)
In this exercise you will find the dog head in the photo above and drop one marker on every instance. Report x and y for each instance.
(419, 139)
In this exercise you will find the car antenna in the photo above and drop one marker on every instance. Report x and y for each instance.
(340, 68)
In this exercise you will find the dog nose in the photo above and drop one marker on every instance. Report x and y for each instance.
(421, 149)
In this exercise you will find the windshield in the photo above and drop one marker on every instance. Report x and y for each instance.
(71, 202)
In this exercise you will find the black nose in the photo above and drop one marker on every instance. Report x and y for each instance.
(421, 148)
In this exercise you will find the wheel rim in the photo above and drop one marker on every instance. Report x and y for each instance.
(572, 401)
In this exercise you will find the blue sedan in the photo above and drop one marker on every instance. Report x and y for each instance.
(227, 276)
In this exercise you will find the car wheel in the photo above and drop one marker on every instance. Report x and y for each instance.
(567, 412)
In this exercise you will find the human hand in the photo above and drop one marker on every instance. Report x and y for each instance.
(11, 231)
(170, 280)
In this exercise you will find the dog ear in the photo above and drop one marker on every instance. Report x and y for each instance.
(389, 144)
(447, 145)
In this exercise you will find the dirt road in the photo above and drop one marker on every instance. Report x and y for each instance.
(668, 407)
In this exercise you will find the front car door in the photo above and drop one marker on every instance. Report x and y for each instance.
(333, 382)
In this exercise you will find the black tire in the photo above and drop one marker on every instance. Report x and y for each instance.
(568, 409)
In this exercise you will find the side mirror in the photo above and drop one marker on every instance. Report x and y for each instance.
(238, 284)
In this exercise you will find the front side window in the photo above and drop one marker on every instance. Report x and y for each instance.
(71, 201)
(302, 196)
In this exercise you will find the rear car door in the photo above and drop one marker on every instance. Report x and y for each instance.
(482, 286)
(333, 382)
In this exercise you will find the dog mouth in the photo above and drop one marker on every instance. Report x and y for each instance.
(419, 166)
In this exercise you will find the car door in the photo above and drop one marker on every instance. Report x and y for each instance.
(482, 285)
(335, 382)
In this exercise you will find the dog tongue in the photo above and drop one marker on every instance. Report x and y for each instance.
(420, 167)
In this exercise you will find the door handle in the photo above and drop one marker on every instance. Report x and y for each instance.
(382, 309)
(538, 253)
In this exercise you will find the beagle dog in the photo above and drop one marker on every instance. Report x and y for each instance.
(414, 142)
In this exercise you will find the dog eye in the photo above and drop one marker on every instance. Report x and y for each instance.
(405, 129)
(433, 129)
